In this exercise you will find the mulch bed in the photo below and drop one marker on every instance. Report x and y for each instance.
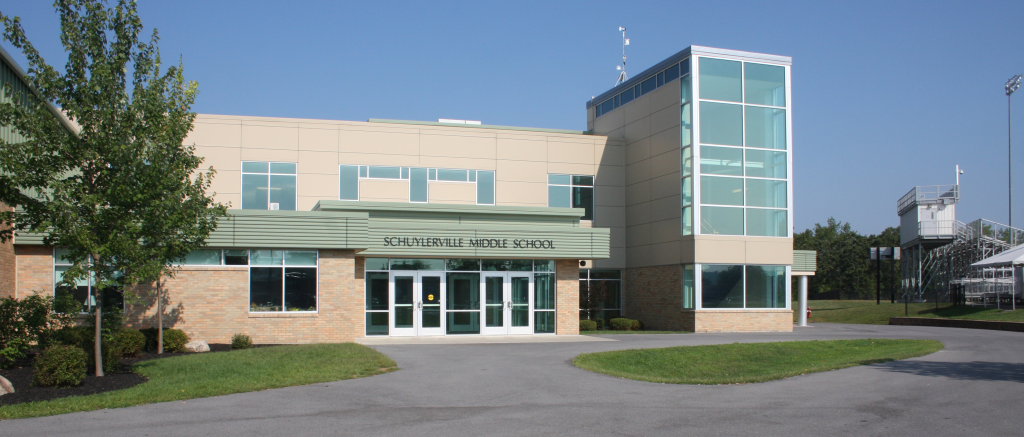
(20, 376)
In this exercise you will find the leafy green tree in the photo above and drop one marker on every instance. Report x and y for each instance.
(122, 195)
(844, 264)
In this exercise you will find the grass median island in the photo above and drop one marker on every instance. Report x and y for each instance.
(868, 312)
(739, 363)
(220, 373)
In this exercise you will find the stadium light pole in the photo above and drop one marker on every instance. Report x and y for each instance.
(1011, 86)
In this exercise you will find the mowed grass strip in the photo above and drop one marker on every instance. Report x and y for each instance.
(868, 312)
(220, 373)
(740, 363)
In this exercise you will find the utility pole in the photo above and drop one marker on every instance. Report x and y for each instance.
(1011, 86)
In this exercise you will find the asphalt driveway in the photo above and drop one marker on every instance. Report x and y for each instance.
(974, 386)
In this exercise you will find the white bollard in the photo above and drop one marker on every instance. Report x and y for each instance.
(802, 318)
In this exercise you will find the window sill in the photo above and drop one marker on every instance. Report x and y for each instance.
(283, 315)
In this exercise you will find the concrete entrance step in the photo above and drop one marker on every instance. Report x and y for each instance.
(480, 339)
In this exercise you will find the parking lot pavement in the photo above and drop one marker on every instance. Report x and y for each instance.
(972, 387)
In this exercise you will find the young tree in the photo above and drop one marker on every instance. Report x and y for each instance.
(123, 195)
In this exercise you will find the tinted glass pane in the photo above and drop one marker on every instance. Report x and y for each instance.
(507, 265)
(648, 85)
(766, 127)
(465, 265)
(300, 289)
(349, 189)
(559, 196)
(583, 180)
(282, 167)
(685, 90)
(767, 222)
(720, 80)
(687, 220)
(611, 293)
(605, 274)
(721, 160)
(721, 191)
(417, 264)
(721, 221)
(687, 190)
(765, 84)
(559, 179)
(767, 193)
(544, 322)
(255, 191)
(385, 172)
(721, 123)
(266, 257)
(403, 301)
(765, 164)
(688, 286)
(721, 286)
(203, 257)
(766, 287)
(282, 192)
(684, 67)
(661, 78)
(686, 125)
(451, 175)
(236, 257)
(626, 96)
(432, 174)
(300, 258)
(418, 185)
(607, 106)
(544, 291)
(431, 296)
(376, 264)
(467, 322)
(472, 175)
(265, 288)
(485, 188)
(671, 73)
(58, 277)
(377, 323)
(463, 291)
(255, 167)
(686, 158)
(583, 197)
(377, 290)
(543, 265)
(405, 172)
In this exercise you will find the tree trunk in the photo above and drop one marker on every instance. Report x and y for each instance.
(159, 317)
(97, 348)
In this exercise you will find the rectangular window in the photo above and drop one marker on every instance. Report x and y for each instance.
(202, 257)
(671, 73)
(720, 80)
(767, 222)
(721, 286)
(83, 290)
(766, 193)
(721, 123)
(544, 303)
(626, 96)
(268, 185)
(721, 161)
(686, 158)
(686, 125)
(600, 294)
(687, 190)
(765, 164)
(278, 283)
(721, 191)
(766, 127)
(661, 78)
(648, 85)
(765, 84)
(717, 220)
(685, 93)
(385, 172)
(418, 185)
(349, 177)
(377, 302)
(463, 303)
(485, 187)
(738, 286)
(766, 287)
(572, 191)
(452, 175)
(688, 286)
(687, 220)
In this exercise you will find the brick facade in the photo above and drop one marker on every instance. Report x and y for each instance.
(768, 320)
(567, 296)
(8, 265)
(212, 304)
(34, 266)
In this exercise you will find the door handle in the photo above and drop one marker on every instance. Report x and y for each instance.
(419, 304)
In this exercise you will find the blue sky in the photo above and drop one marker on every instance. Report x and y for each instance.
(886, 95)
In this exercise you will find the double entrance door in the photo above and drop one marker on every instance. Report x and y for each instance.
(488, 303)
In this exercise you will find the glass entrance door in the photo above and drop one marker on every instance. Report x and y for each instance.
(417, 303)
(507, 303)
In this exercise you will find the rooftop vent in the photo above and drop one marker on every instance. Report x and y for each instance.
(448, 120)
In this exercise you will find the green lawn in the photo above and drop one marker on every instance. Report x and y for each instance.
(867, 312)
(220, 373)
(749, 362)
(609, 331)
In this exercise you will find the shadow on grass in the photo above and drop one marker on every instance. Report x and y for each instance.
(969, 371)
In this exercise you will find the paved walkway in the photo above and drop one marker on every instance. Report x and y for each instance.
(974, 386)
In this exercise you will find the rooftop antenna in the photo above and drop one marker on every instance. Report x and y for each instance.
(622, 68)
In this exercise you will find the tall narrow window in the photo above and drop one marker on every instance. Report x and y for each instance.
(268, 185)
(418, 185)
(572, 191)
(485, 187)
(349, 189)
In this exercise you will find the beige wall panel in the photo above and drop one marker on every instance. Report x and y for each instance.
(638, 235)
(666, 96)
(522, 150)
(457, 163)
(610, 121)
(618, 134)
(638, 171)
(609, 216)
(318, 162)
(442, 192)
(770, 251)
(520, 193)
(232, 200)
(638, 193)
(664, 231)
(385, 143)
(215, 134)
(274, 155)
(638, 130)
(220, 158)
(318, 185)
(568, 168)
(378, 159)
(580, 153)
(638, 214)
(638, 256)
(666, 208)
(665, 119)
(270, 137)
(521, 171)
(666, 186)
(638, 151)
(609, 196)
(609, 154)
(616, 259)
(635, 110)
(610, 175)
(665, 253)
(665, 141)
(458, 146)
(665, 163)
(720, 251)
(324, 140)
(383, 190)
(227, 182)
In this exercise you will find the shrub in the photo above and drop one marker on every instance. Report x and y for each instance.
(131, 341)
(588, 325)
(600, 323)
(150, 334)
(59, 366)
(73, 336)
(241, 341)
(621, 324)
(637, 325)
(33, 319)
(174, 340)
(112, 354)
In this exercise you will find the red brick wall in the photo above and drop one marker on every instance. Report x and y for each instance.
(654, 296)
(34, 266)
(567, 297)
(212, 304)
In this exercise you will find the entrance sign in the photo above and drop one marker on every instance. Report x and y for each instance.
(485, 243)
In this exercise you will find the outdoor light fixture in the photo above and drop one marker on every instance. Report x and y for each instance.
(1011, 86)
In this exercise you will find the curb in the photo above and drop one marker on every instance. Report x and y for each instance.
(958, 323)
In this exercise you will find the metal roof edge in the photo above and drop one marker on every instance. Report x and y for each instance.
(344, 205)
(480, 126)
(71, 127)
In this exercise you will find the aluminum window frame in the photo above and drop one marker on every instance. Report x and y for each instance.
(698, 287)
(241, 181)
